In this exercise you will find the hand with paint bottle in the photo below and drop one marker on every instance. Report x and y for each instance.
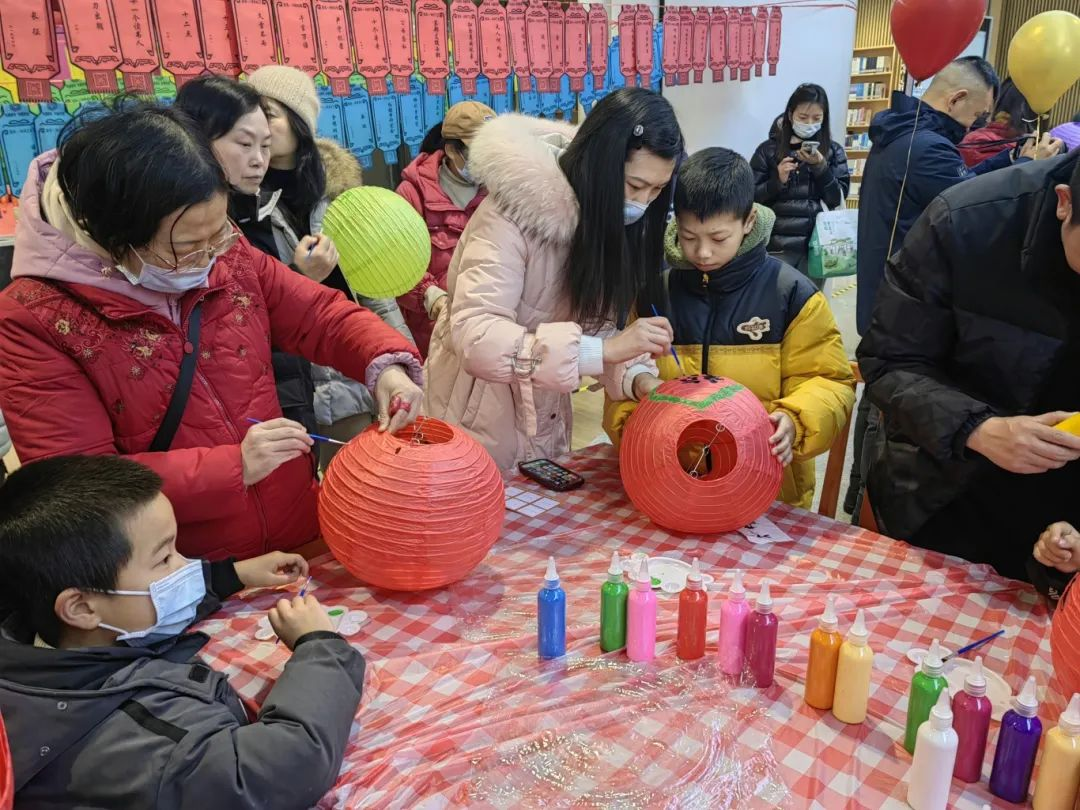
(1059, 547)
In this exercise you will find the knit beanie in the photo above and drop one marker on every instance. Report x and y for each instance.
(290, 87)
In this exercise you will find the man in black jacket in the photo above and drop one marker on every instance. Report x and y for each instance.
(973, 354)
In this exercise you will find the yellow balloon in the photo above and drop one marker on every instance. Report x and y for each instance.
(1044, 58)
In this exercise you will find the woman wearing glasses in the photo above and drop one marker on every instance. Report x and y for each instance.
(126, 264)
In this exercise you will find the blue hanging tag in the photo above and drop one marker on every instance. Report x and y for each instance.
(359, 130)
(50, 122)
(656, 78)
(529, 101)
(549, 104)
(434, 109)
(411, 108)
(588, 95)
(384, 111)
(453, 90)
(330, 123)
(502, 103)
(567, 99)
(614, 71)
(483, 91)
(18, 142)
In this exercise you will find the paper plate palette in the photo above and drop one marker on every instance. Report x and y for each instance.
(668, 574)
(996, 689)
(345, 621)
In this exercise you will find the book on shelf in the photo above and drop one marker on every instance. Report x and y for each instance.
(870, 64)
(853, 192)
(858, 116)
(858, 140)
(856, 166)
(864, 91)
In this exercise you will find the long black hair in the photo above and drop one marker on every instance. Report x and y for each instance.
(217, 103)
(610, 262)
(782, 134)
(124, 171)
(309, 173)
(1012, 103)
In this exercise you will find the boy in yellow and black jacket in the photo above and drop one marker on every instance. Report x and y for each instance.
(738, 312)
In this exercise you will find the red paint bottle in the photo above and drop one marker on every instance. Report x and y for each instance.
(693, 617)
(761, 630)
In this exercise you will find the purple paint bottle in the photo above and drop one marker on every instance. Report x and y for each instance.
(1018, 743)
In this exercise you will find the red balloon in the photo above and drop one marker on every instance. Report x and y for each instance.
(725, 490)
(931, 33)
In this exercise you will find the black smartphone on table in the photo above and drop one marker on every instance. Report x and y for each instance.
(550, 475)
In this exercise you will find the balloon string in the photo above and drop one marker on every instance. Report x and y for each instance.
(903, 183)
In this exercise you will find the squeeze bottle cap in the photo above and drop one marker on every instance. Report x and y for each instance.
(737, 591)
(552, 576)
(932, 663)
(693, 579)
(615, 571)
(828, 621)
(643, 581)
(1069, 722)
(764, 598)
(975, 682)
(858, 635)
(1026, 703)
(941, 714)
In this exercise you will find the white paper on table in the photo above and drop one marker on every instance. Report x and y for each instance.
(763, 532)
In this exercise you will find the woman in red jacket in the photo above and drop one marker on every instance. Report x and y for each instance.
(126, 263)
(440, 187)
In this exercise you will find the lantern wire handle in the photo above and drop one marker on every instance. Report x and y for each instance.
(694, 473)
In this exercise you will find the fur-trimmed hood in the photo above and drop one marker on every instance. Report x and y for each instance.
(516, 158)
(342, 169)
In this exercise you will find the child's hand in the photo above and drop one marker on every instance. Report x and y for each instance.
(275, 568)
(292, 619)
(1059, 547)
(783, 440)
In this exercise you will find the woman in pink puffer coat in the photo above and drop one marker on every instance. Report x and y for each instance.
(571, 232)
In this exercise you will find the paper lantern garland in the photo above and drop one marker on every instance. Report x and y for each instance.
(383, 243)
(695, 456)
(412, 511)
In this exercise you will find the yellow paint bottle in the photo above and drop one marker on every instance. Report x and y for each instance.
(824, 653)
(853, 672)
(1059, 773)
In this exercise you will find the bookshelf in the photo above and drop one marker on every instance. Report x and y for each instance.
(876, 71)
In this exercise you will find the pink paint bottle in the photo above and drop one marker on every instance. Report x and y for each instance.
(733, 615)
(971, 719)
(641, 617)
(761, 632)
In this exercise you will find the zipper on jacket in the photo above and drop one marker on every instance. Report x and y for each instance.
(704, 281)
(706, 339)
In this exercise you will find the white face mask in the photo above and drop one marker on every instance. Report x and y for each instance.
(633, 211)
(170, 282)
(805, 131)
(176, 599)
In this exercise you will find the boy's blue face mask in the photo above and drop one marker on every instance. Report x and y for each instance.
(176, 599)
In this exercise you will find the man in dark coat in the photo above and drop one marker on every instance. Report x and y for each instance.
(973, 355)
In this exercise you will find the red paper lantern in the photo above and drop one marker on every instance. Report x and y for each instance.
(695, 456)
(415, 510)
(7, 772)
(1065, 641)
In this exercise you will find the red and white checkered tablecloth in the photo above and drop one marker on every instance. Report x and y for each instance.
(458, 712)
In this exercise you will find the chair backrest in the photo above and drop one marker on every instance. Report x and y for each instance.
(834, 466)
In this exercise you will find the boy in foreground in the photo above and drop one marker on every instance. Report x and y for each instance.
(106, 703)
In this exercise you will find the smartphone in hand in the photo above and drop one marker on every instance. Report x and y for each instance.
(810, 146)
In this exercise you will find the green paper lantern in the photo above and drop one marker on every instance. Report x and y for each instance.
(382, 242)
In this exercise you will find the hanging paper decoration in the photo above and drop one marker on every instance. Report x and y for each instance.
(643, 43)
(557, 38)
(465, 28)
(431, 44)
(627, 64)
(393, 540)
(519, 42)
(577, 45)
(453, 91)
(686, 44)
(92, 42)
(18, 143)
(656, 78)
(29, 47)
(411, 110)
(746, 44)
(399, 42)
(434, 108)
(528, 101)
(701, 43)
(761, 27)
(567, 99)
(177, 27)
(332, 44)
(588, 94)
(718, 44)
(775, 23)
(359, 128)
(502, 103)
(539, 45)
(383, 243)
(296, 35)
(483, 91)
(734, 36)
(670, 53)
(329, 123)
(48, 125)
(598, 44)
(549, 104)
(221, 53)
(695, 456)
(135, 34)
(384, 112)
(255, 33)
(369, 39)
(494, 45)
(616, 77)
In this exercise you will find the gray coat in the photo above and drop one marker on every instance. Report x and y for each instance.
(129, 728)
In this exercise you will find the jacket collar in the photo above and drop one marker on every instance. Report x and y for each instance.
(1043, 254)
(733, 276)
(423, 173)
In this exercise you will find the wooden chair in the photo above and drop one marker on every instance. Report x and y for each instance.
(834, 474)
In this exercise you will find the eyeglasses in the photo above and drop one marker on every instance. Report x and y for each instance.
(197, 258)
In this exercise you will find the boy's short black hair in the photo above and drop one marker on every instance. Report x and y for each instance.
(715, 181)
(62, 526)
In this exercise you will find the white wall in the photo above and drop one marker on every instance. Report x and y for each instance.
(815, 46)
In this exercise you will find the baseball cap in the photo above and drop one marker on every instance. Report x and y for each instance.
(464, 119)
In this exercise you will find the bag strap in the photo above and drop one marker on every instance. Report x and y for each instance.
(171, 422)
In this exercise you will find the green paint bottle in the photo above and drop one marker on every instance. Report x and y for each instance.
(926, 687)
(613, 608)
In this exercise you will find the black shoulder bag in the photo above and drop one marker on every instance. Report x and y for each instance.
(171, 422)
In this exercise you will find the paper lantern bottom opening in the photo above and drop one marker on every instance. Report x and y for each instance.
(707, 450)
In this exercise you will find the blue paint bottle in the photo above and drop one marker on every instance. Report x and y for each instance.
(551, 615)
(1018, 743)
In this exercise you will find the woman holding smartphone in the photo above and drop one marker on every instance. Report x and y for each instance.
(800, 171)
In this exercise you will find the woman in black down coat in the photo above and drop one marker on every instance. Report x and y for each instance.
(794, 181)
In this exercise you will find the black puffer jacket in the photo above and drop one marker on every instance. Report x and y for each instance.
(976, 317)
(798, 203)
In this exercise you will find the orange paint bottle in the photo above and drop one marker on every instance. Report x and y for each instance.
(824, 654)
